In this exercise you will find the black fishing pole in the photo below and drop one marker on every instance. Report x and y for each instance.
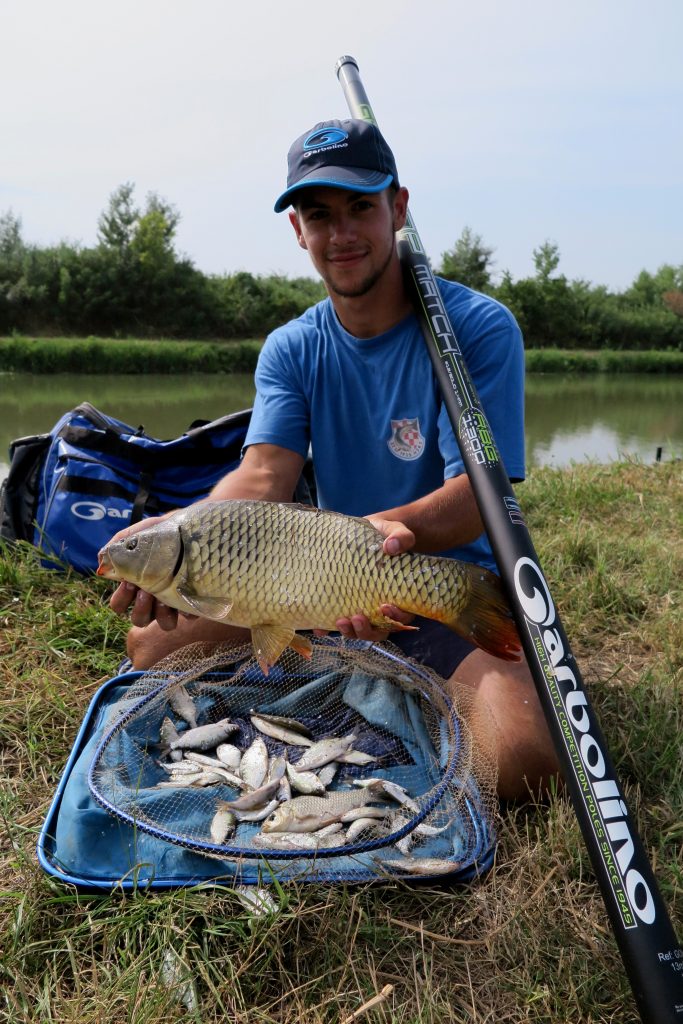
(650, 951)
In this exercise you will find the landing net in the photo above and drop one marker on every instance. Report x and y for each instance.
(348, 766)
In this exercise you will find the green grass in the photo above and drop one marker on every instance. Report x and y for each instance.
(529, 942)
(604, 360)
(110, 355)
(115, 355)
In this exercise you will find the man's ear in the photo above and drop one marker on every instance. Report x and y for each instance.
(400, 208)
(294, 221)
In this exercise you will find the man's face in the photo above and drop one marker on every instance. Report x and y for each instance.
(350, 236)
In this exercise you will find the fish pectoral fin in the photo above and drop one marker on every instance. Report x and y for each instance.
(269, 641)
(207, 607)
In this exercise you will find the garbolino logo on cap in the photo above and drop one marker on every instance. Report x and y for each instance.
(349, 154)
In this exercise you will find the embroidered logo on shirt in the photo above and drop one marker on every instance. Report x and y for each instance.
(406, 441)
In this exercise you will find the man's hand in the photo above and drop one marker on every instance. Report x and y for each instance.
(397, 538)
(145, 607)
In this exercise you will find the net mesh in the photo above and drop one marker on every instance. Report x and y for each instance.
(350, 765)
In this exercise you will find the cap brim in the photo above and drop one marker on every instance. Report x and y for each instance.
(353, 179)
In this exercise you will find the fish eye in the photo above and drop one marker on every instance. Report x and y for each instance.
(131, 543)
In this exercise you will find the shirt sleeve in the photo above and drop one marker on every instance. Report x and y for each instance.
(492, 346)
(281, 413)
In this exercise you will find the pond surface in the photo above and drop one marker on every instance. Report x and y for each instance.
(568, 419)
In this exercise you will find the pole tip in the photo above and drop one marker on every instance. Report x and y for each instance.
(345, 60)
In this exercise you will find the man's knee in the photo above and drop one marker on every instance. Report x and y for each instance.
(146, 645)
(510, 719)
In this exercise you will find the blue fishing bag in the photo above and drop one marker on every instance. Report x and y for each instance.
(69, 491)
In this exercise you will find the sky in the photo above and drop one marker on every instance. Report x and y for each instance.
(526, 122)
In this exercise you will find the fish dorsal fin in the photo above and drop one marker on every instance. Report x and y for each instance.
(269, 641)
(208, 607)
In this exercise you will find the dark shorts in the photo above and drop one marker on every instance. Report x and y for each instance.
(434, 645)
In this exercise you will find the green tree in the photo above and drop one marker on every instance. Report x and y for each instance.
(546, 260)
(152, 242)
(468, 262)
(116, 225)
(11, 242)
(155, 204)
(673, 300)
(648, 289)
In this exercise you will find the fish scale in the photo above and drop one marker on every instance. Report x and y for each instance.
(329, 561)
(277, 568)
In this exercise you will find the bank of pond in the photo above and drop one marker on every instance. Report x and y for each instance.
(21, 354)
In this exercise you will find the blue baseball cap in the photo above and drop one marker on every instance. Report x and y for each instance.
(348, 154)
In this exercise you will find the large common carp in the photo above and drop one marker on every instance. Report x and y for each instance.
(276, 568)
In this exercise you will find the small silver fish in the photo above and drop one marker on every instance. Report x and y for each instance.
(258, 815)
(214, 765)
(324, 751)
(229, 754)
(405, 844)
(398, 821)
(304, 781)
(222, 824)
(182, 704)
(419, 865)
(393, 790)
(168, 733)
(205, 778)
(195, 757)
(329, 830)
(204, 737)
(179, 767)
(364, 812)
(297, 840)
(254, 764)
(359, 826)
(277, 731)
(277, 768)
(286, 723)
(358, 757)
(257, 797)
(256, 899)
(328, 772)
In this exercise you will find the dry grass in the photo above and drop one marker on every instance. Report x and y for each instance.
(529, 942)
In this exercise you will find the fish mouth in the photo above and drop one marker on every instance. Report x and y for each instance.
(105, 566)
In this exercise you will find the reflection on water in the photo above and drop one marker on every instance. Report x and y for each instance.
(165, 405)
(602, 417)
(567, 418)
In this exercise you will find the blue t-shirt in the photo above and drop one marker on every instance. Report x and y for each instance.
(371, 409)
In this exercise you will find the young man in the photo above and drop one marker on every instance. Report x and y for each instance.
(352, 378)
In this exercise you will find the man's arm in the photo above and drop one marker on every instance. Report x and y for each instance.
(266, 473)
(446, 518)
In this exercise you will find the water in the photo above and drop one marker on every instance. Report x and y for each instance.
(602, 417)
(568, 419)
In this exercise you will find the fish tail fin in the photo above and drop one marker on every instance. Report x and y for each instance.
(485, 619)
